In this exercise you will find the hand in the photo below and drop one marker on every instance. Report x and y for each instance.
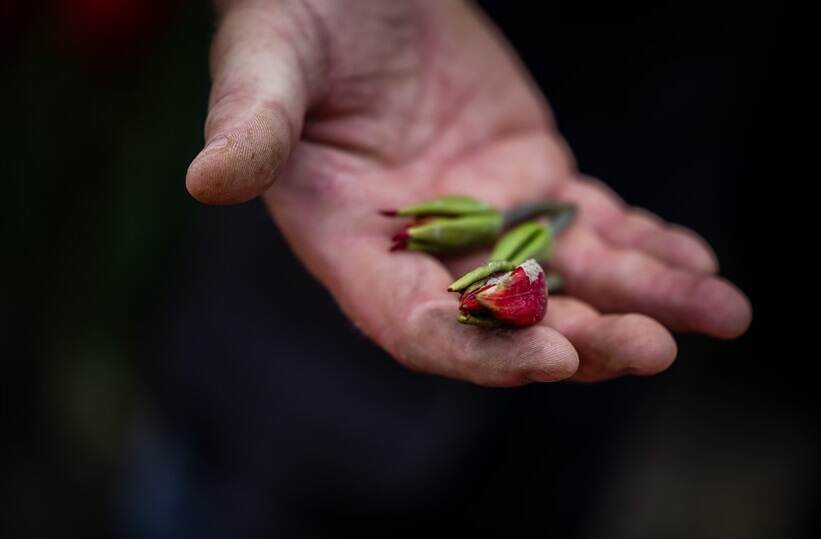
(332, 110)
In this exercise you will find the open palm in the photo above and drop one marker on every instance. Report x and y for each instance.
(356, 106)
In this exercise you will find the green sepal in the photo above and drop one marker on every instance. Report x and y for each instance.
(480, 321)
(528, 240)
(454, 233)
(482, 272)
(425, 247)
(453, 206)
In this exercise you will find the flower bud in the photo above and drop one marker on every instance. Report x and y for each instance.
(490, 296)
(449, 234)
(447, 206)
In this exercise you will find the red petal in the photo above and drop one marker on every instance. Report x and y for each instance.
(469, 305)
(400, 241)
(519, 298)
(402, 235)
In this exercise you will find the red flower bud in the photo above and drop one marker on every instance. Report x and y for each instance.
(517, 297)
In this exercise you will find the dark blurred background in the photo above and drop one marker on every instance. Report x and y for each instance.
(142, 392)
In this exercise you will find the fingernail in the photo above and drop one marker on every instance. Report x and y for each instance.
(217, 142)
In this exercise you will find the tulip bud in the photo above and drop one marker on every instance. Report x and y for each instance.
(495, 295)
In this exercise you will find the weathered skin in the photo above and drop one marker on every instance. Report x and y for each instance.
(359, 105)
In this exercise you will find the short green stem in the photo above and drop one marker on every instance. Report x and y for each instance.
(559, 213)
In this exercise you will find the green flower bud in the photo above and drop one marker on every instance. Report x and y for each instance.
(449, 234)
(451, 206)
